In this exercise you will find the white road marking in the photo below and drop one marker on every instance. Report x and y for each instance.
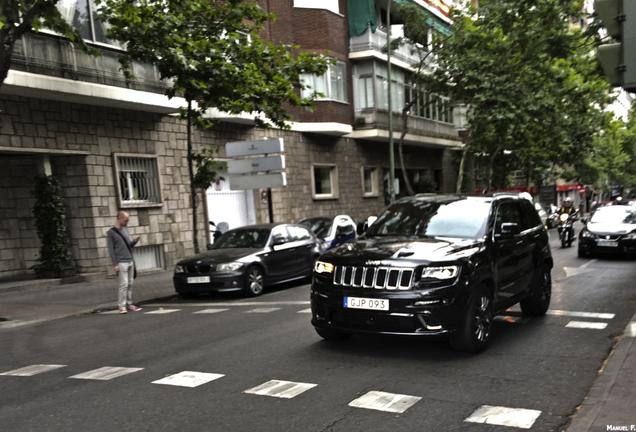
(586, 325)
(305, 311)
(252, 303)
(162, 311)
(280, 389)
(262, 310)
(106, 373)
(210, 311)
(188, 379)
(382, 401)
(19, 323)
(573, 271)
(502, 416)
(582, 314)
(631, 330)
(32, 370)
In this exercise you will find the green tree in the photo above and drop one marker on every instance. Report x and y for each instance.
(18, 17)
(214, 57)
(533, 87)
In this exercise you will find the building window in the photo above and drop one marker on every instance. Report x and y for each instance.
(324, 179)
(330, 5)
(332, 84)
(139, 183)
(82, 15)
(370, 181)
(148, 257)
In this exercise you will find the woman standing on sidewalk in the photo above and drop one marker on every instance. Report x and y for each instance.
(120, 250)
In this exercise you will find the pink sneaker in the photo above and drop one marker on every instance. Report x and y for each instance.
(134, 308)
(122, 310)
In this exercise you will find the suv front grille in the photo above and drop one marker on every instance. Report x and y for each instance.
(390, 278)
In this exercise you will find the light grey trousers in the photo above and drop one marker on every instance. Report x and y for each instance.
(126, 277)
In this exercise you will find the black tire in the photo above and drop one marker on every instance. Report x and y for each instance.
(474, 332)
(332, 335)
(254, 281)
(538, 302)
(564, 242)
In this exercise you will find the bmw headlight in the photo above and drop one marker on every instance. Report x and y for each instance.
(325, 245)
(179, 269)
(323, 267)
(231, 266)
(441, 273)
(586, 234)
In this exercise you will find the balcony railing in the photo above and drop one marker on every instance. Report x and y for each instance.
(53, 56)
(370, 118)
(376, 41)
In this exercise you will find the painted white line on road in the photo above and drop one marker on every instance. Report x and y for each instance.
(305, 311)
(586, 325)
(12, 324)
(582, 314)
(262, 310)
(106, 373)
(32, 370)
(502, 416)
(188, 379)
(631, 330)
(280, 303)
(382, 401)
(162, 311)
(592, 261)
(280, 389)
(573, 271)
(210, 311)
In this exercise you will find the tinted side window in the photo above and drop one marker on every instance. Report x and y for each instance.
(531, 215)
(279, 233)
(509, 212)
(298, 233)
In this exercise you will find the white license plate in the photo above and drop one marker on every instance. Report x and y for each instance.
(199, 279)
(366, 303)
(606, 243)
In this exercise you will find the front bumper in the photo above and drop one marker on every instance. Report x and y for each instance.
(591, 245)
(411, 313)
(219, 282)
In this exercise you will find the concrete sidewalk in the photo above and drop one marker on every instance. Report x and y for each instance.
(610, 405)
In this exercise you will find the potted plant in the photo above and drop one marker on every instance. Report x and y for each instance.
(55, 258)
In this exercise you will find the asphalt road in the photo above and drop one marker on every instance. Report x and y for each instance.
(258, 365)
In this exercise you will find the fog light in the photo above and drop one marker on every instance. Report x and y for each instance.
(429, 322)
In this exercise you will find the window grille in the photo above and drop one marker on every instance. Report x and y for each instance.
(138, 180)
(148, 257)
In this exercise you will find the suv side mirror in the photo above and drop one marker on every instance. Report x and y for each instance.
(509, 230)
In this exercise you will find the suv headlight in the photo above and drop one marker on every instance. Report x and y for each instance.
(323, 267)
(231, 266)
(442, 273)
(179, 269)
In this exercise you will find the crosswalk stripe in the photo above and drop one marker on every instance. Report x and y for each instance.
(106, 373)
(582, 314)
(280, 389)
(162, 311)
(188, 379)
(32, 370)
(502, 416)
(262, 310)
(382, 401)
(305, 311)
(210, 311)
(586, 325)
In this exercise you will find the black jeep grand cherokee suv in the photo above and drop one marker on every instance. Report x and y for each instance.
(437, 267)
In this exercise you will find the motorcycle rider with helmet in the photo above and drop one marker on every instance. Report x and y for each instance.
(572, 212)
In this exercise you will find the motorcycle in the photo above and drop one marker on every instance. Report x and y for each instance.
(566, 229)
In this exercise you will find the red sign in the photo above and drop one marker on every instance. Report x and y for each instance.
(563, 188)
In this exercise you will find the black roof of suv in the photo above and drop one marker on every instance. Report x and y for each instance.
(436, 266)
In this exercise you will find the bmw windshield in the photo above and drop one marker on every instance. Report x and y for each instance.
(462, 218)
(243, 238)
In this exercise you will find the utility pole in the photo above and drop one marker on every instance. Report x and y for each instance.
(391, 155)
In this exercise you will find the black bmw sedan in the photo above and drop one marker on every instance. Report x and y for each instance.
(247, 259)
(611, 229)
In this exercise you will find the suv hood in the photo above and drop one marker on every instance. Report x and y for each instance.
(408, 248)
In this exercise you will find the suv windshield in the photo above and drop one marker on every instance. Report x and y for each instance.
(320, 226)
(462, 217)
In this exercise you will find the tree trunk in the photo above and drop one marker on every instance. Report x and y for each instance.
(460, 174)
(491, 163)
(405, 176)
(193, 196)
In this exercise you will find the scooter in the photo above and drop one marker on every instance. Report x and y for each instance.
(566, 229)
